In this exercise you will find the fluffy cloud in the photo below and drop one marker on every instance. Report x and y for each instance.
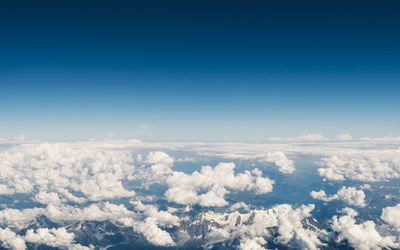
(19, 217)
(52, 237)
(156, 169)
(59, 238)
(154, 234)
(59, 169)
(11, 240)
(254, 229)
(94, 212)
(162, 218)
(76, 182)
(284, 164)
(348, 195)
(363, 236)
(339, 168)
(391, 215)
(185, 188)
(161, 162)
(5, 190)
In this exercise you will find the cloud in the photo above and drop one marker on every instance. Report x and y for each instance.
(344, 137)
(51, 237)
(47, 198)
(348, 195)
(161, 162)
(239, 205)
(284, 164)
(316, 137)
(5, 190)
(254, 229)
(59, 169)
(11, 240)
(154, 234)
(214, 182)
(361, 236)
(85, 181)
(59, 238)
(19, 217)
(368, 169)
(162, 218)
(186, 159)
(391, 215)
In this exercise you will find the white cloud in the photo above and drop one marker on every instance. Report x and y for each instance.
(47, 198)
(18, 217)
(94, 212)
(79, 182)
(363, 236)
(316, 137)
(239, 205)
(11, 240)
(186, 159)
(391, 215)
(344, 137)
(366, 186)
(369, 169)
(255, 228)
(59, 169)
(154, 234)
(162, 218)
(284, 164)
(51, 237)
(5, 190)
(348, 195)
(184, 188)
(161, 164)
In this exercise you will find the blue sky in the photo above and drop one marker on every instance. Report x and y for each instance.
(199, 70)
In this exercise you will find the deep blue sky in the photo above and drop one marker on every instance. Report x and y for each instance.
(199, 70)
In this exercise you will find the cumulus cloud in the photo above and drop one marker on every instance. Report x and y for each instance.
(161, 162)
(19, 217)
(185, 188)
(154, 234)
(162, 218)
(59, 238)
(254, 229)
(5, 190)
(348, 195)
(52, 237)
(340, 168)
(391, 215)
(59, 169)
(156, 169)
(11, 240)
(284, 164)
(239, 205)
(77, 182)
(361, 236)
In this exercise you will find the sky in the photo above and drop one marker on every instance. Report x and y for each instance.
(199, 70)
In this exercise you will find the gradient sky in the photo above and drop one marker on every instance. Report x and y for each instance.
(199, 70)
